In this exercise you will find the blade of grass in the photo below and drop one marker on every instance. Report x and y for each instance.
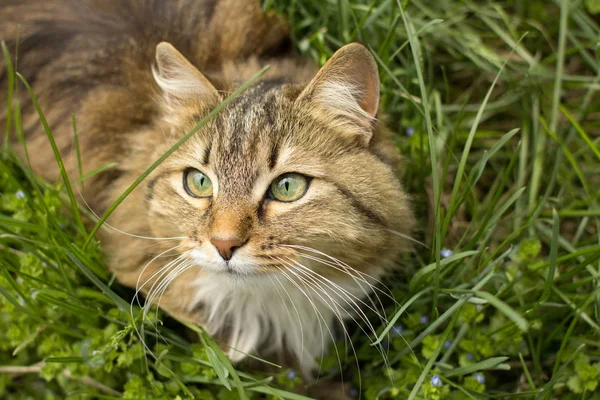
(580, 130)
(509, 312)
(8, 221)
(420, 275)
(560, 63)
(578, 310)
(404, 307)
(480, 166)
(452, 207)
(61, 166)
(220, 369)
(441, 319)
(415, 390)
(547, 388)
(421, 30)
(48, 217)
(122, 304)
(96, 171)
(397, 82)
(567, 154)
(494, 212)
(553, 256)
(343, 18)
(77, 149)
(279, 393)
(526, 372)
(464, 329)
(490, 363)
(9, 93)
(220, 359)
(416, 52)
(567, 335)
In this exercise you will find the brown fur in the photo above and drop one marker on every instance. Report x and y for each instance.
(93, 60)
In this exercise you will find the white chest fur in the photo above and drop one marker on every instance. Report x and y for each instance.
(270, 314)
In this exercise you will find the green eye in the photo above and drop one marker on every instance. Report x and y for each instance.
(196, 183)
(288, 187)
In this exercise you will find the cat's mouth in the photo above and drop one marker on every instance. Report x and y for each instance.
(238, 265)
(230, 270)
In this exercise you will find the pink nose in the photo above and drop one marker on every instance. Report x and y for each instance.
(226, 247)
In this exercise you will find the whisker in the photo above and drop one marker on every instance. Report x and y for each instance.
(361, 276)
(158, 275)
(179, 270)
(342, 264)
(353, 306)
(318, 314)
(343, 267)
(165, 270)
(137, 284)
(372, 288)
(402, 235)
(116, 229)
(164, 282)
(140, 332)
(295, 309)
(334, 308)
(159, 271)
(172, 276)
(155, 244)
(340, 289)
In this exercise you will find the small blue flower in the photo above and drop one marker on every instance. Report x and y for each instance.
(410, 131)
(447, 344)
(469, 356)
(353, 392)
(291, 374)
(397, 330)
(20, 194)
(479, 377)
(479, 307)
(446, 253)
(436, 381)
(424, 319)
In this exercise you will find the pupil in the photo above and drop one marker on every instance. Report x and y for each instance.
(287, 185)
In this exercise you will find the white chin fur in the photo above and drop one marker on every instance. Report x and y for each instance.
(268, 313)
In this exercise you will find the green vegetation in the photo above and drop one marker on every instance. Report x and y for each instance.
(501, 300)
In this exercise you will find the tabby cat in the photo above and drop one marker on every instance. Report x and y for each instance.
(269, 225)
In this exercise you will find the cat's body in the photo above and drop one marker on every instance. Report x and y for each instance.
(268, 277)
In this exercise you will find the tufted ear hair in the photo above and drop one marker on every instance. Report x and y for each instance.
(178, 78)
(347, 88)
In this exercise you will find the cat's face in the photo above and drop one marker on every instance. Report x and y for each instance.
(277, 182)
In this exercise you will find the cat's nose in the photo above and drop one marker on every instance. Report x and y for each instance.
(226, 247)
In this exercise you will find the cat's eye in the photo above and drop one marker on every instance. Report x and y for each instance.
(197, 184)
(288, 187)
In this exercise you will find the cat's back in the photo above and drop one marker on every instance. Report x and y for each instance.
(97, 32)
(93, 58)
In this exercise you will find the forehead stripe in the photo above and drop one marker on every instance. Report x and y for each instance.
(274, 155)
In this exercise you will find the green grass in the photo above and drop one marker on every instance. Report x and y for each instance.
(496, 112)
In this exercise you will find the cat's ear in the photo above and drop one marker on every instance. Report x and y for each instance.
(347, 87)
(178, 78)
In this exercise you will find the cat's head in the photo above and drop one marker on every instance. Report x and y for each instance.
(285, 177)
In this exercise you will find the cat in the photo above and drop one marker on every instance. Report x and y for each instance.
(268, 226)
